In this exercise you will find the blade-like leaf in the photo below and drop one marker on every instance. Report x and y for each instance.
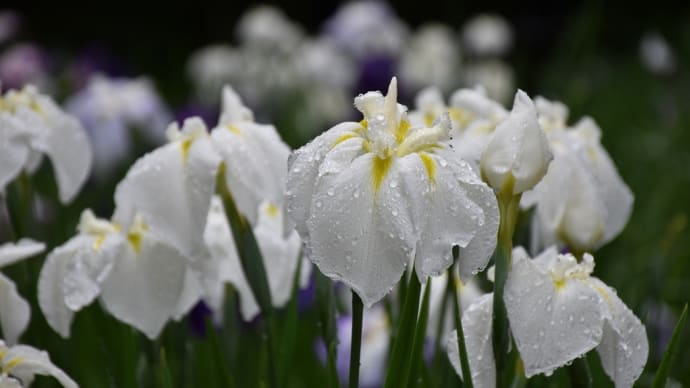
(402, 346)
(671, 351)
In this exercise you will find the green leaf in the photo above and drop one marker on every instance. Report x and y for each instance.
(402, 345)
(289, 333)
(415, 360)
(253, 267)
(671, 351)
(164, 378)
(218, 355)
(326, 303)
(579, 373)
(464, 361)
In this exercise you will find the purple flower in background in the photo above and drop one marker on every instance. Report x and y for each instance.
(25, 63)
(375, 73)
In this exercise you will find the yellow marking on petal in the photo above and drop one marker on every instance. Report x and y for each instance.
(234, 129)
(12, 363)
(379, 170)
(364, 124)
(460, 116)
(559, 284)
(136, 233)
(429, 119)
(98, 242)
(343, 137)
(402, 131)
(366, 146)
(135, 241)
(185, 146)
(430, 166)
(272, 210)
(604, 293)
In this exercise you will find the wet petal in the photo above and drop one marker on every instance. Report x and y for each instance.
(477, 327)
(552, 322)
(145, 283)
(624, 346)
(303, 170)
(255, 164)
(444, 215)
(357, 234)
(14, 310)
(171, 188)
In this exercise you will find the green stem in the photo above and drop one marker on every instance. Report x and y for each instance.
(356, 343)
(415, 362)
(326, 303)
(508, 205)
(464, 361)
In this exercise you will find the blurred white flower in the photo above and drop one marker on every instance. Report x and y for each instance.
(372, 198)
(20, 363)
(517, 156)
(495, 76)
(110, 108)
(656, 55)
(582, 201)
(487, 35)
(14, 310)
(468, 292)
(558, 312)
(31, 124)
(210, 68)
(267, 27)
(376, 333)
(367, 27)
(432, 58)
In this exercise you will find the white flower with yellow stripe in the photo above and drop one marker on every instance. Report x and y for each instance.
(136, 273)
(32, 125)
(582, 201)
(374, 197)
(558, 312)
(20, 363)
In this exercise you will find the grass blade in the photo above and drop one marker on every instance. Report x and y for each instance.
(416, 361)
(402, 345)
(670, 353)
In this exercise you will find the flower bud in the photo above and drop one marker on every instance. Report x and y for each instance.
(518, 154)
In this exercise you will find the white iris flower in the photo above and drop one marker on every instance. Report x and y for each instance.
(20, 363)
(31, 125)
(374, 197)
(582, 201)
(558, 312)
